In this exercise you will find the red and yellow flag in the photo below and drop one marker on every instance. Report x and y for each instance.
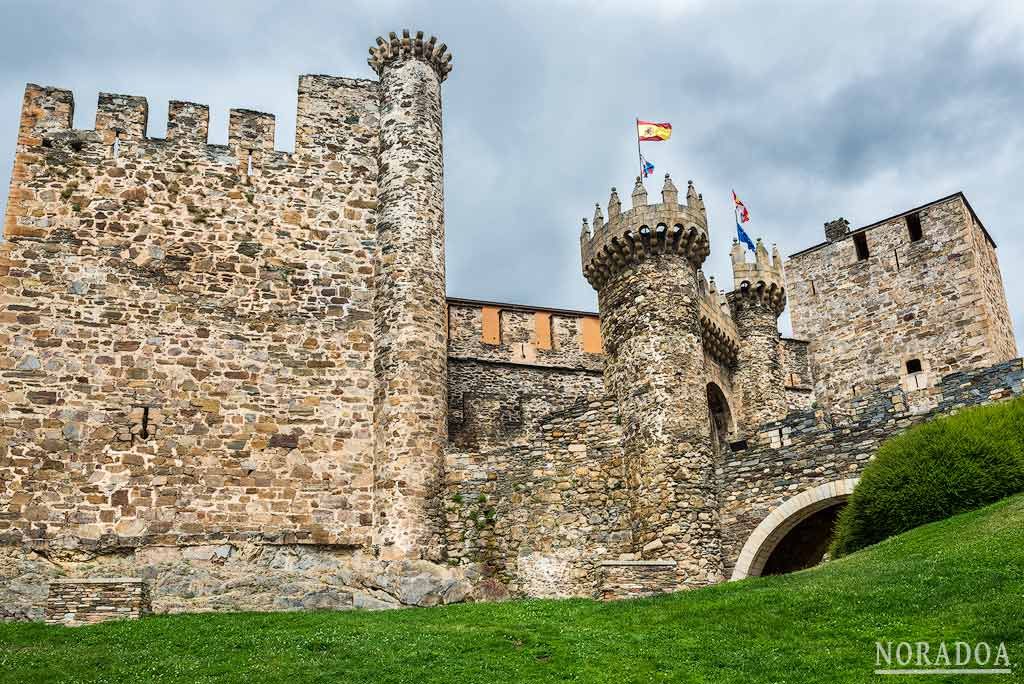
(648, 131)
(741, 209)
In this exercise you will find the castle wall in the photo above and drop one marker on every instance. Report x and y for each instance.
(797, 373)
(540, 514)
(760, 374)
(533, 447)
(999, 324)
(908, 300)
(722, 375)
(549, 338)
(234, 371)
(509, 365)
(815, 447)
(494, 403)
(187, 343)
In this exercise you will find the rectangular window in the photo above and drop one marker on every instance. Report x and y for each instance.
(914, 366)
(914, 227)
(860, 241)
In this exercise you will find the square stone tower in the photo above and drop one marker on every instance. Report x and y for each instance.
(901, 302)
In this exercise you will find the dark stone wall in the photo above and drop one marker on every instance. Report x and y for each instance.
(493, 404)
(541, 512)
(796, 367)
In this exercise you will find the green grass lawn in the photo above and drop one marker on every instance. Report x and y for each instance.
(959, 579)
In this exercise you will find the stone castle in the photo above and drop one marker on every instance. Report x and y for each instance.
(233, 372)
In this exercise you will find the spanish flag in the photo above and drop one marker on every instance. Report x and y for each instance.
(648, 131)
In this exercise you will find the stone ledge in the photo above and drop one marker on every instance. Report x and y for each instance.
(99, 580)
(638, 563)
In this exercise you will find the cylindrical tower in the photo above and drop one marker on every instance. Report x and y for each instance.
(644, 265)
(757, 300)
(410, 319)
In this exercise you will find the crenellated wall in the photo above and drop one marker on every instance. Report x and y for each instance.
(234, 371)
(522, 335)
(187, 342)
(757, 300)
(508, 365)
(869, 308)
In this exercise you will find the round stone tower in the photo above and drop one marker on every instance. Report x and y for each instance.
(644, 265)
(757, 300)
(410, 318)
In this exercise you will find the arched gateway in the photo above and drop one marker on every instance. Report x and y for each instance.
(781, 521)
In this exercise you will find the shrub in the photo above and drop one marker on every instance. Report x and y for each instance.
(934, 470)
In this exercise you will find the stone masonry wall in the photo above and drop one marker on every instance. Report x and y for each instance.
(493, 404)
(186, 350)
(815, 447)
(540, 513)
(999, 323)
(925, 300)
(410, 316)
(501, 382)
(797, 372)
(549, 338)
(760, 373)
(624, 579)
(88, 601)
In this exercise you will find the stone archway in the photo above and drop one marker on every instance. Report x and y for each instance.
(774, 528)
(720, 415)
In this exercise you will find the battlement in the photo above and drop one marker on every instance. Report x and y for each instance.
(121, 123)
(123, 119)
(396, 49)
(644, 230)
(763, 278)
(721, 338)
(511, 333)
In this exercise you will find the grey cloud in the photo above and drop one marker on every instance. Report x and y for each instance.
(808, 110)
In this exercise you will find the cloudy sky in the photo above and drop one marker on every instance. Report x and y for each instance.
(810, 111)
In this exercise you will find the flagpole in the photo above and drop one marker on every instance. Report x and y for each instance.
(639, 155)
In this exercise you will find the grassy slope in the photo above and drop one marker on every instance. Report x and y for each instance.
(961, 578)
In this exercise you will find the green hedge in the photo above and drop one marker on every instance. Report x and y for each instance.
(934, 470)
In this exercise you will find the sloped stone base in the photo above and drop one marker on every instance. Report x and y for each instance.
(242, 577)
(633, 579)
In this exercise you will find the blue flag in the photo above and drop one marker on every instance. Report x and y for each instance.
(744, 238)
(647, 168)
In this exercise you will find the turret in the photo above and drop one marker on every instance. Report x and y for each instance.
(757, 300)
(410, 322)
(644, 264)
